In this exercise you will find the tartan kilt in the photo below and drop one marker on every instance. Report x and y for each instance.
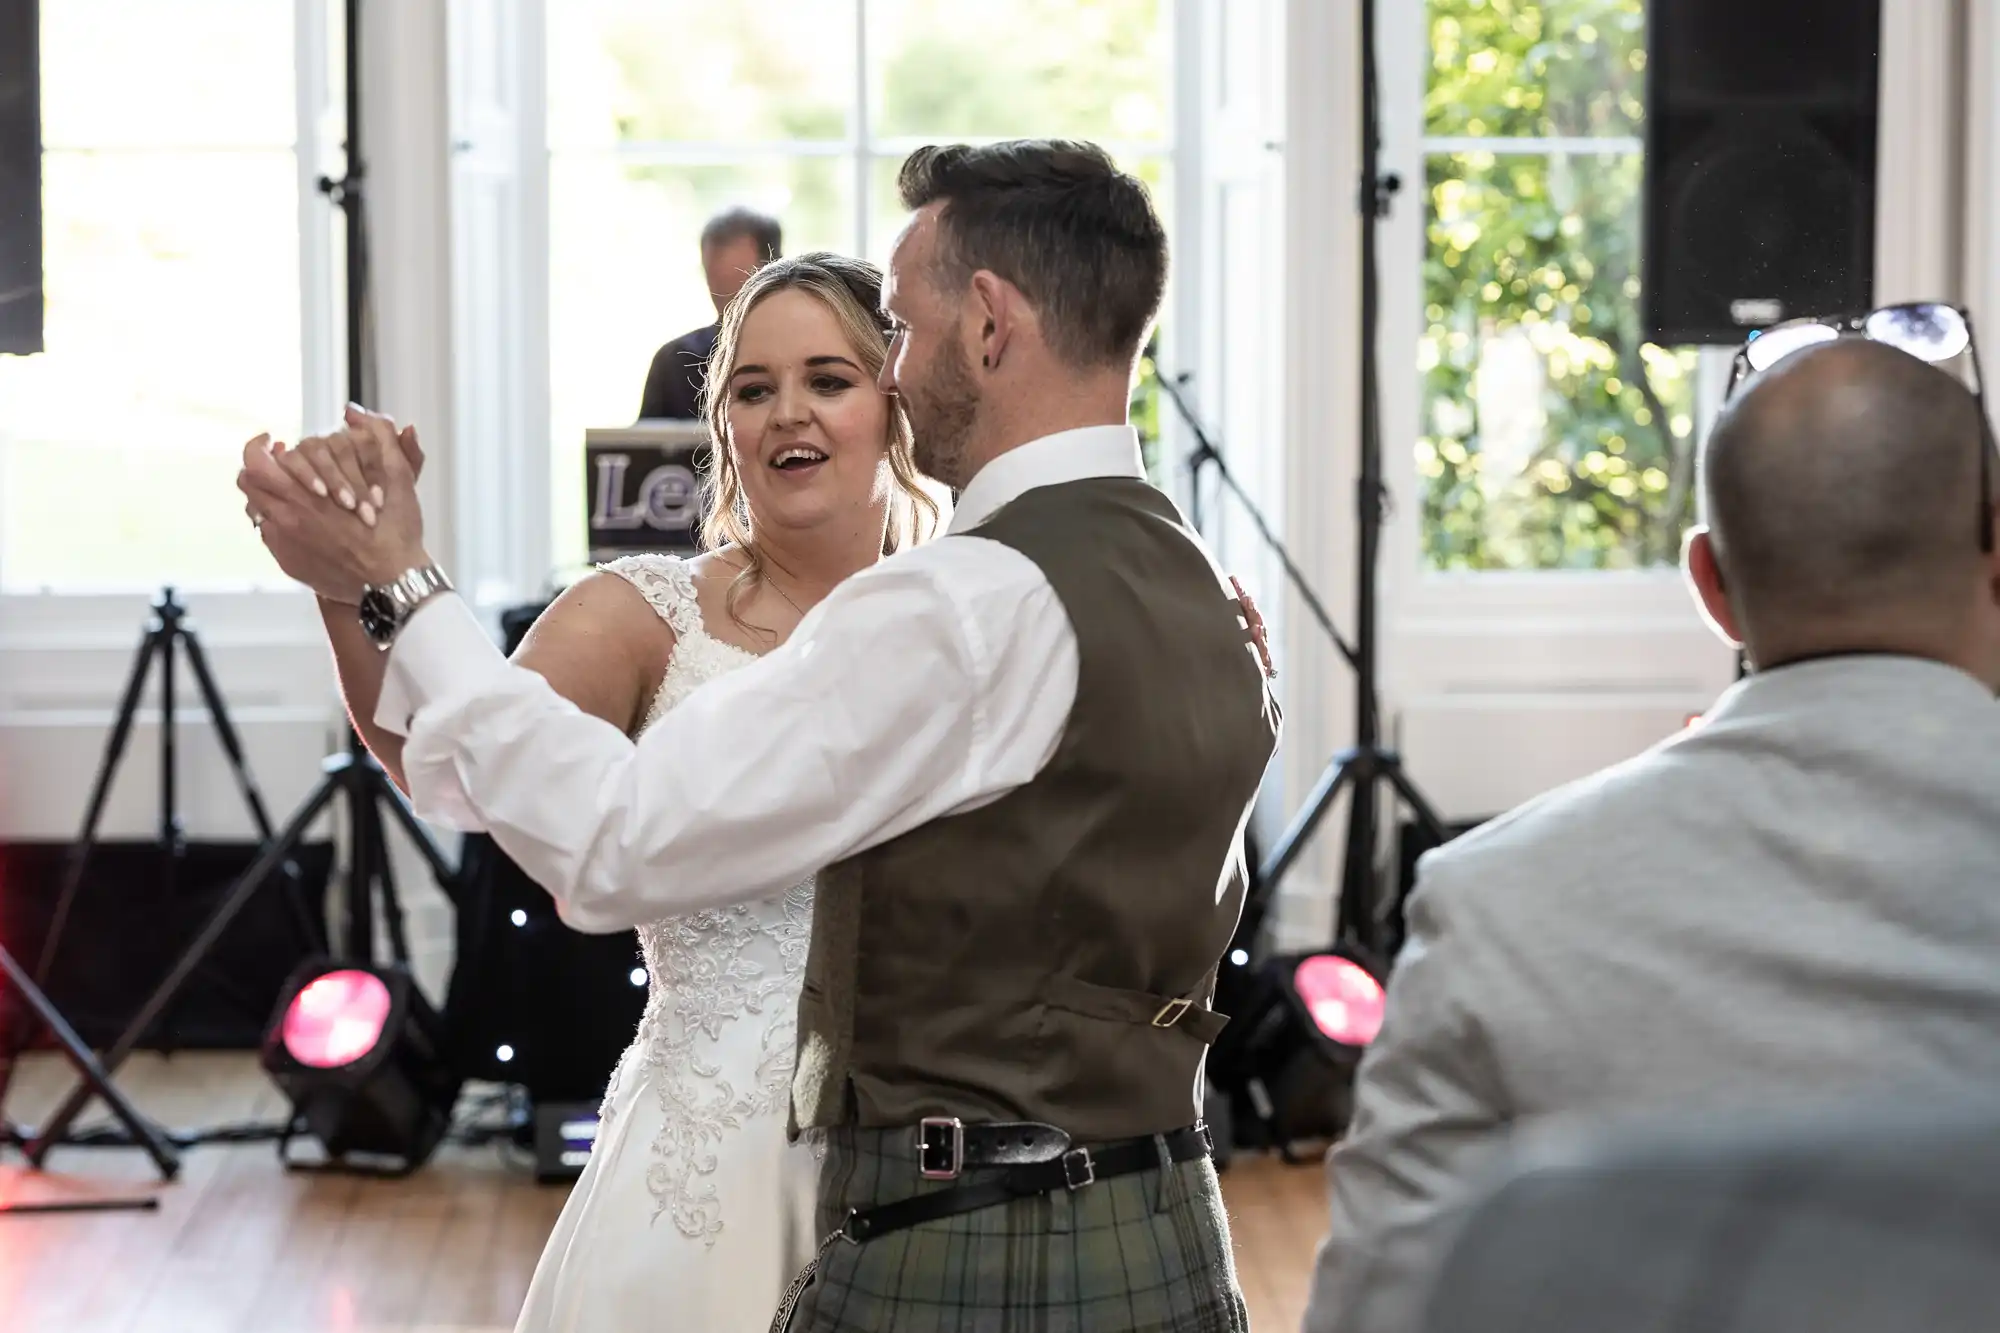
(1143, 1253)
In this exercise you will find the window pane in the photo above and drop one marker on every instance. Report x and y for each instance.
(187, 74)
(625, 277)
(1560, 67)
(1005, 68)
(173, 336)
(698, 71)
(1553, 438)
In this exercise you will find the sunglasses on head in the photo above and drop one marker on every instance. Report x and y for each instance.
(1931, 331)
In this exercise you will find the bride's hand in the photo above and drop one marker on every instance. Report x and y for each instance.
(1255, 623)
(333, 466)
(270, 485)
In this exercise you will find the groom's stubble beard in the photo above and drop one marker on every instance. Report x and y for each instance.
(944, 413)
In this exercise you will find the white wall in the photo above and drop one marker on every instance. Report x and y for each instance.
(1321, 305)
(405, 90)
(1980, 237)
(62, 673)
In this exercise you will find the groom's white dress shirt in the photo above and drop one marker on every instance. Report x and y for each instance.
(927, 685)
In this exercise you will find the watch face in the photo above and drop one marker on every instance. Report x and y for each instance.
(378, 615)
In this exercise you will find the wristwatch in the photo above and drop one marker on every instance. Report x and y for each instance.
(387, 607)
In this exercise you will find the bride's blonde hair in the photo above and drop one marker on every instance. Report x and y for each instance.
(851, 289)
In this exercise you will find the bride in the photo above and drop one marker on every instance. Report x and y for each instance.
(693, 1211)
(693, 1204)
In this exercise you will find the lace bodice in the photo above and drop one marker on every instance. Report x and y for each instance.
(717, 1038)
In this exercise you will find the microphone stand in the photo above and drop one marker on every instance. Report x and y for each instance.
(1206, 455)
(1364, 767)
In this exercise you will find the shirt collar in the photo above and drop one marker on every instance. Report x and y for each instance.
(1070, 455)
(1833, 679)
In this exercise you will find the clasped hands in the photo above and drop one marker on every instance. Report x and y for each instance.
(339, 512)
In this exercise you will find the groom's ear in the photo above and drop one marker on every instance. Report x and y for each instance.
(995, 311)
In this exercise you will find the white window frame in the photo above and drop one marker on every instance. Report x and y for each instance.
(47, 618)
(501, 164)
(65, 655)
(866, 148)
(1422, 595)
(1583, 668)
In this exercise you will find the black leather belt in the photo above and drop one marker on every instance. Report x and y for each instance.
(1037, 1159)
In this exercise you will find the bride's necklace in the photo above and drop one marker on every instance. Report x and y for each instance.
(782, 593)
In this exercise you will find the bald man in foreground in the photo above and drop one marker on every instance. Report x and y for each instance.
(1798, 900)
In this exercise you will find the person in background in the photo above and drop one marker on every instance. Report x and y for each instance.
(1789, 903)
(734, 245)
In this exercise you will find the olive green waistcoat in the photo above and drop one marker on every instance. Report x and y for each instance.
(1013, 962)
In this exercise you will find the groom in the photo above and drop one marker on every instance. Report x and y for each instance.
(1023, 754)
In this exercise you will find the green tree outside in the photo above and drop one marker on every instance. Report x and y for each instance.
(1553, 436)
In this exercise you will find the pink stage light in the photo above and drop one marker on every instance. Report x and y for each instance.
(336, 1019)
(1343, 999)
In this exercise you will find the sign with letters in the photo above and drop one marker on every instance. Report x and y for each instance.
(643, 486)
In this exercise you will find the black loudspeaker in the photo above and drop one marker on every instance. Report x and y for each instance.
(1760, 164)
(20, 179)
(532, 1001)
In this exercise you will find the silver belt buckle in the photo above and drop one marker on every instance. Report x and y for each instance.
(1078, 1169)
(940, 1147)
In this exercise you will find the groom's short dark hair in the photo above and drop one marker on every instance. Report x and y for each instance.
(1060, 221)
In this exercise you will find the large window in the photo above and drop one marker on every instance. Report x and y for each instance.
(172, 218)
(1552, 435)
(663, 112)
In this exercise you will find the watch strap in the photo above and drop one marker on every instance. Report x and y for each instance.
(387, 607)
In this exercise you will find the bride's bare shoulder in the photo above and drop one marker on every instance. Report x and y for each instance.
(612, 605)
(603, 644)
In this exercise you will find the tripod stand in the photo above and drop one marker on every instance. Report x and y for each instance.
(352, 778)
(1363, 769)
(362, 788)
(166, 632)
(94, 1077)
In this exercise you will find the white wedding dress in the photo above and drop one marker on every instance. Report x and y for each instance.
(694, 1212)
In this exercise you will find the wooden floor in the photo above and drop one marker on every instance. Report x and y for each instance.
(239, 1245)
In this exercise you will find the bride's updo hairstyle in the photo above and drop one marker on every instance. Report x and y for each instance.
(852, 290)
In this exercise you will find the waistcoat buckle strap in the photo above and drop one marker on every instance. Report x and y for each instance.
(940, 1147)
(1078, 1169)
(1186, 1014)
